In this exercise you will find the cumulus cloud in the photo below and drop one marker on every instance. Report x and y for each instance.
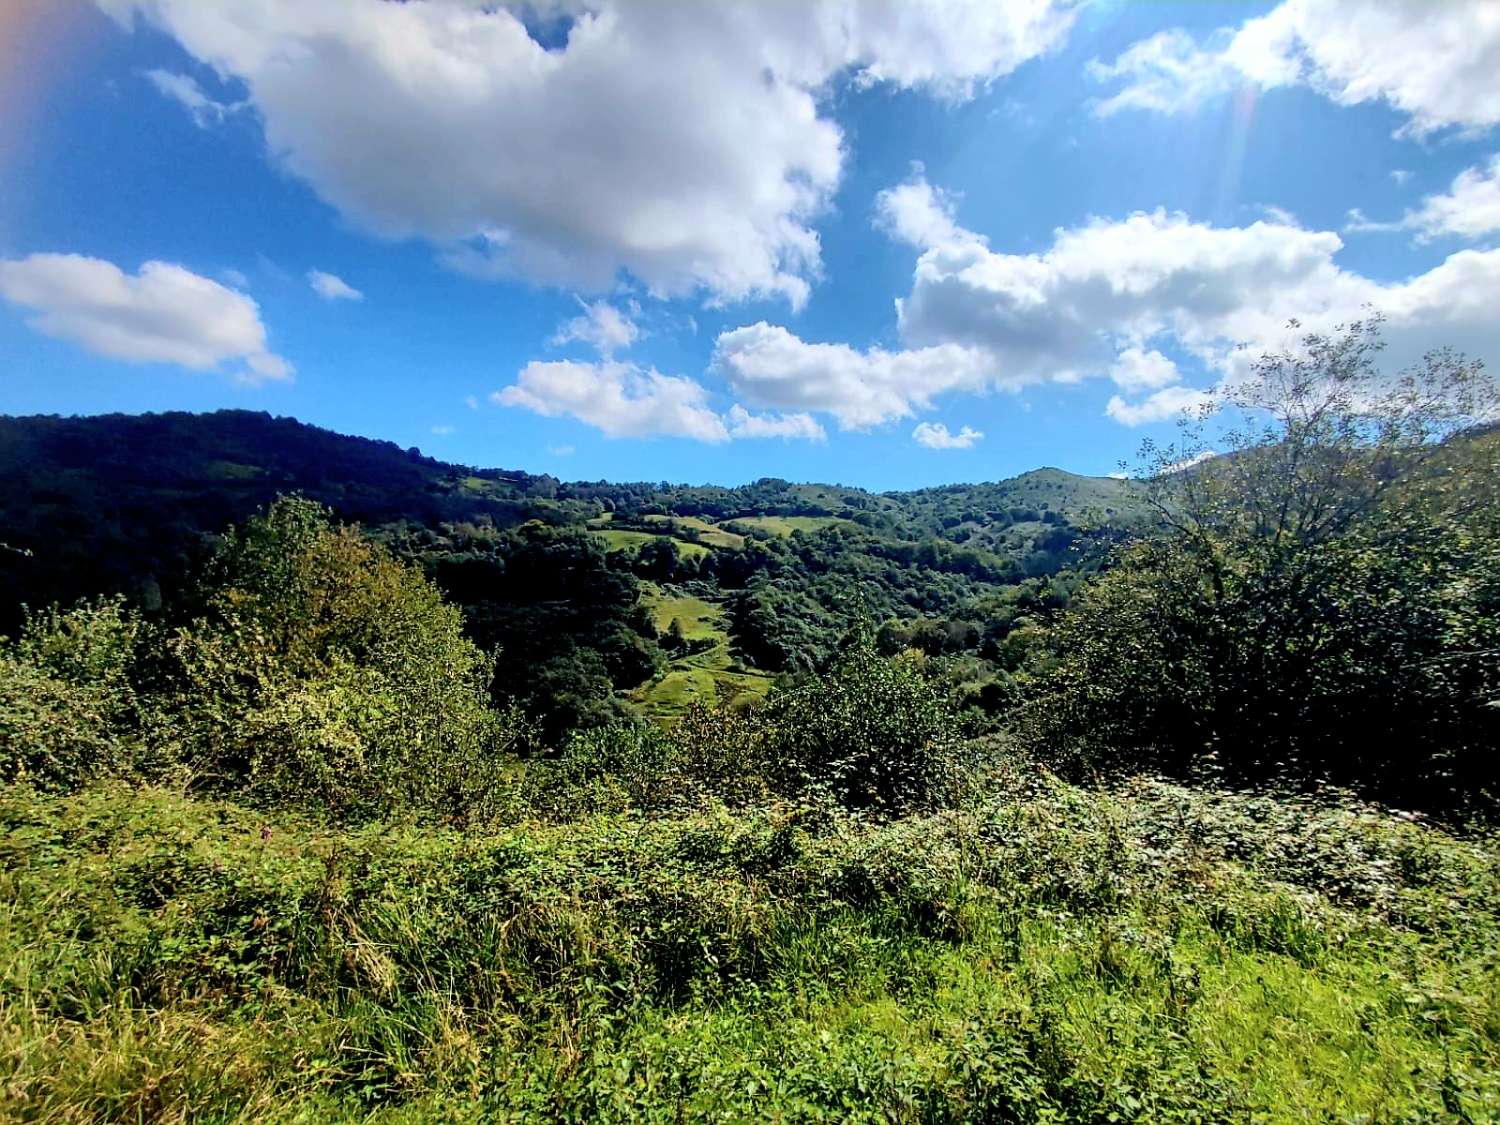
(771, 367)
(332, 288)
(919, 214)
(1104, 301)
(1138, 369)
(743, 424)
(686, 144)
(1436, 63)
(935, 435)
(1095, 301)
(185, 91)
(162, 314)
(602, 326)
(1470, 208)
(1159, 406)
(624, 400)
(617, 399)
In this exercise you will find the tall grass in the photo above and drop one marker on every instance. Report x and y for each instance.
(1050, 953)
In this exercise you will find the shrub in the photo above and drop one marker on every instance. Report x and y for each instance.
(874, 733)
(325, 672)
(68, 708)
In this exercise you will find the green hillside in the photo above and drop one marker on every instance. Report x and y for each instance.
(133, 503)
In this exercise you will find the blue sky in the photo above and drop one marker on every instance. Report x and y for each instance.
(642, 241)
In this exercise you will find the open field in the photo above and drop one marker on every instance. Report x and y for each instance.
(1050, 954)
(622, 540)
(699, 618)
(696, 677)
(709, 533)
(785, 525)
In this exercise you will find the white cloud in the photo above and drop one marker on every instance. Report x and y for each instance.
(235, 278)
(1103, 301)
(623, 400)
(919, 214)
(471, 401)
(935, 435)
(771, 367)
(442, 431)
(1167, 73)
(1400, 175)
(1097, 299)
(1109, 287)
(743, 424)
(185, 91)
(162, 314)
(618, 399)
(1159, 406)
(562, 450)
(1469, 209)
(1138, 369)
(602, 326)
(1357, 222)
(684, 143)
(1189, 462)
(332, 288)
(1436, 63)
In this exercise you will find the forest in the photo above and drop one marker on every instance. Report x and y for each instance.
(339, 783)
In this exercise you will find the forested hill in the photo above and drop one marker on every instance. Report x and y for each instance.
(761, 579)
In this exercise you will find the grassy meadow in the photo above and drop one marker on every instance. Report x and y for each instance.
(1150, 953)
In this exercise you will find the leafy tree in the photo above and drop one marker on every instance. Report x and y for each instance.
(872, 732)
(1321, 600)
(324, 671)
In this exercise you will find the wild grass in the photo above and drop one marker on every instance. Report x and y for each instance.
(785, 525)
(625, 540)
(707, 532)
(1153, 953)
(701, 620)
(698, 677)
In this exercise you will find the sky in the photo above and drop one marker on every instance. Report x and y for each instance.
(886, 243)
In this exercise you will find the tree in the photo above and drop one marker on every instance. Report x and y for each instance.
(325, 672)
(874, 733)
(1319, 601)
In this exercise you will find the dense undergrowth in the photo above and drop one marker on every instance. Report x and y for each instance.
(1150, 953)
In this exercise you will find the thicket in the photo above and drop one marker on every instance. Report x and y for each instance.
(1319, 600)
(315, 670)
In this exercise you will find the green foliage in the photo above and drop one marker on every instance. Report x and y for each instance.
(68, 708)
(872, 732)
(325, 672)
(1322, 603)
(132, 504)
(1152, 954)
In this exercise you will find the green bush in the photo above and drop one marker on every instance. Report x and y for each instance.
(872, 732)
(1051, 954)
(325, 673)
(68, 708)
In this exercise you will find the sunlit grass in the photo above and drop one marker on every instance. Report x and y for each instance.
(1052, 954)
